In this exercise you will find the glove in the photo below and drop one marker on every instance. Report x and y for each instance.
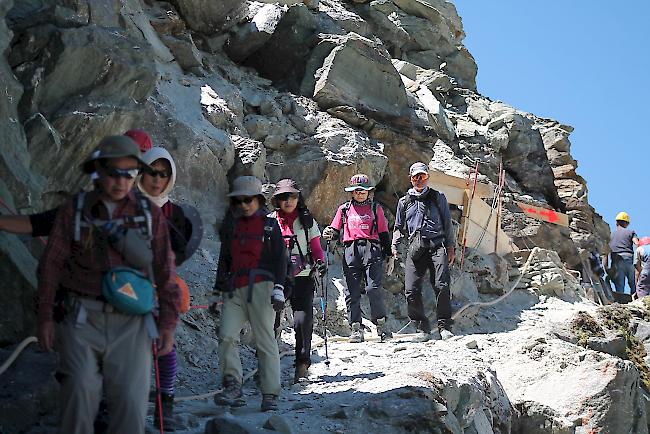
(329, 233)
(277, 297)
(320, 267)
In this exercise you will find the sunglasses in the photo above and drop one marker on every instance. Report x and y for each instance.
(246, 200)
(283, 197)
(116, 173)
(419, 177)
(159, 173)
(359, 190)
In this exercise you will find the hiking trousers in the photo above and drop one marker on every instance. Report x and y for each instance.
(436, 262)
(302, 302)
(624, 266)
(363, 259)
(107, 351)
(261, 316)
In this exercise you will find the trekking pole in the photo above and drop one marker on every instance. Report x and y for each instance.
(158, 395)
(323, 297)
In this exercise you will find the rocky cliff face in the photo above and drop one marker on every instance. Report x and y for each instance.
(315, 90)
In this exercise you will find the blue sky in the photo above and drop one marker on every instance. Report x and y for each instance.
(584, 63)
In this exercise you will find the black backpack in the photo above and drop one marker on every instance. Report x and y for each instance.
(408, 201)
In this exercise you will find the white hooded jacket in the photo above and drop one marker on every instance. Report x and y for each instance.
(153, 154)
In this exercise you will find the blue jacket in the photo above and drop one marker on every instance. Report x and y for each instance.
(437, 225)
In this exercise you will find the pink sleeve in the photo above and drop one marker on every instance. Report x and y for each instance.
(382, 223)
(316, 249)
(336, 223)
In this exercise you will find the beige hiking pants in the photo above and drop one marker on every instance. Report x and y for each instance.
(259, 312)
(109, 352)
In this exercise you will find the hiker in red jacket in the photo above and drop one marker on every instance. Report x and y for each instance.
(251, 274)
(104, 248)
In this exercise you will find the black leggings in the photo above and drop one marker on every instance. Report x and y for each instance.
(302, 301)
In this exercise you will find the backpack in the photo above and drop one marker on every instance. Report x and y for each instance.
(346, 208)
(408, 201)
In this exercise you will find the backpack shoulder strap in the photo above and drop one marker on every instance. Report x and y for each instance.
(344, 213)
(375, 224)
(145, 206)
(406, 203)
(307, 222)
(77, 215)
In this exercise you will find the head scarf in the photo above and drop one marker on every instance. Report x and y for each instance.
(149, 157)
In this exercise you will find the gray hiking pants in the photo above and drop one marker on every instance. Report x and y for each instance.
(108, 351)
(435, 260)
(363, 258)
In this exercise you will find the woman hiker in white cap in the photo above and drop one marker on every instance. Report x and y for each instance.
(367, 243)
(251, 274)
(302, 236)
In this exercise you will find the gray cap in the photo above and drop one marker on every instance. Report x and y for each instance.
(418, 167)
(113, 147)
(246, 186)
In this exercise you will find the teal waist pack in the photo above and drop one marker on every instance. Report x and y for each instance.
(129, 291)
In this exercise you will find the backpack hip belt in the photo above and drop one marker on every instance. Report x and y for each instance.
(252, 274)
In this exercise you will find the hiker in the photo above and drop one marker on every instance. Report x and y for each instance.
(642, 265)
(251, 274)
(424, 220)
(106, 251)
(156, 186)
(367, 244)
(40, 224)
(302, 238)
(622, 247)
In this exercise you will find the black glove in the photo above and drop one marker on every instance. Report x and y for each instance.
(321, 267)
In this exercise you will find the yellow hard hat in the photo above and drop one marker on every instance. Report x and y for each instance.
(622, 216)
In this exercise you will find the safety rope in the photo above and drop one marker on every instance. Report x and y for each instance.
(16, 353)
(495, 301)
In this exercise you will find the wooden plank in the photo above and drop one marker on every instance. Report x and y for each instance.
(544, 214)
(482, 216)
(441, 178)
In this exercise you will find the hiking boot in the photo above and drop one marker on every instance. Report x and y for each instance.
(446, 334)
(231, 395)
(269, 402)
(301, 372)
(423, 331)
(357, 333)
(383, 331)
(169, 421)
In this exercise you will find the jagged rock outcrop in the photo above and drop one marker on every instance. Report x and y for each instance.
(319, 91)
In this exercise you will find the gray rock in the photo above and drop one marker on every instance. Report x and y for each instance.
(258, 127)
(253, 35)
(184, 50)
(437, 117)
(209, 17)
(614, 345)
(279, 424)
(250, 158)
(349, 75)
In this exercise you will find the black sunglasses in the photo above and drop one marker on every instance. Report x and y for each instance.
(159, 173)
(116, 173)
(246, 200)
(286, 196)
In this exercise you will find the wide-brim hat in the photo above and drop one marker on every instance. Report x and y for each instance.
(113, 147)
(359, 181)
(246, 186)
(286, 186)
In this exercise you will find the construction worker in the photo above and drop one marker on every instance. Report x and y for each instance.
(424, 220)
(367, 244)
(251, 274)
(302, 237)
(642, 265)
(622, 247)
(106, 251)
